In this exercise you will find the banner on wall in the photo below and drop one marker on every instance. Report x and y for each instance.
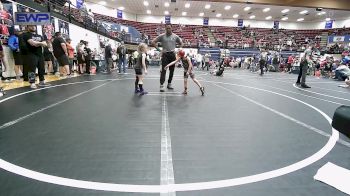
(329, 24)
(49, 29)
(21, 8)
(276, 24)
(167, 19)
(240, 23)
(32, 18)
(80, 3)
(205, 21)
(119, 14)
(338, 38)
(63, 28)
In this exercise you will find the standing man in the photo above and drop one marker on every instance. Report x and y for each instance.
(122, 55)
(33, 55)
(87, 56)
(61, 53)
(168, 41)
(305, 60)
(263, 61)
(108, 58)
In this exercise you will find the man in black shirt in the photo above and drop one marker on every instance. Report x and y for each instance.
(87, 56)
(61, 53)
(33, 54)
(108, 57)
(122, 55)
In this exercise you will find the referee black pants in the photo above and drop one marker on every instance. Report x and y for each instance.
(167, 58)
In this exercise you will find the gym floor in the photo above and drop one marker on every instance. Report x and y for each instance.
(249, 135)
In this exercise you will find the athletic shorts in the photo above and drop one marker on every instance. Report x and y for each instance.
(186, 76)
(138, 71)
(63, 60)
(18, 58)
(80, 59)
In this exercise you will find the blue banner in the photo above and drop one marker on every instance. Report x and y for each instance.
(337, 39)
(240, 22)
(329, 24)
(80, 3)
(167, 19)
(276, 24)
(119, 14)
(32, 18)
(205, 21)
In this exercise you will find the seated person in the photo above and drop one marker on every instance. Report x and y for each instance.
(220, 70)
(342, 72)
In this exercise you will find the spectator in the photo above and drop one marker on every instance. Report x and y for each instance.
(48, 57)
(108, 58)
(70, 54)
(61, 53)
(87, 56)
(122, 55)
(34, 56)
(13, 43)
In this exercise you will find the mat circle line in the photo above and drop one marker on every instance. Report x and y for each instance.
(174, 187)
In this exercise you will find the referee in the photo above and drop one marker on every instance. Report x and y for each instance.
(168, 41)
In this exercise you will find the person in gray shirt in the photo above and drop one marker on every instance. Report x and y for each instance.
(168, 41)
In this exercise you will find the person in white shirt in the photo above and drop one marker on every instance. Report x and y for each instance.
(305, 61)
(199, 59)
(206, 61)
(263, 61)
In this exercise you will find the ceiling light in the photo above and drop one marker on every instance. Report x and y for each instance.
(201, 14)
(149, 12)
(227, 7)
(321, 13)
(285, 11)
(121, 8)
(145, 3)
(266, 9)
(102, 3)
(252, 17)
(268, 18)
(300, 19)
(166, 12)
(187, 5)
(235, 16)
(303, 12)
(247, 8)
(284, 18)
(166, 4)
(207, 6)
(328, 19)
(218, 15)
(184, 13)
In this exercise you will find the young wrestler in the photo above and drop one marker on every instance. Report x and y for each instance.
(187, 65)
(139, 66)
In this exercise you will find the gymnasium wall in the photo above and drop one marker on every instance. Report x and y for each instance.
(216, 21)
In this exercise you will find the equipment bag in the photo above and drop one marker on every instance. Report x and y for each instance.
(341, 120)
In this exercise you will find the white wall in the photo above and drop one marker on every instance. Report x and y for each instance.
(77, 33)
(100, 9)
